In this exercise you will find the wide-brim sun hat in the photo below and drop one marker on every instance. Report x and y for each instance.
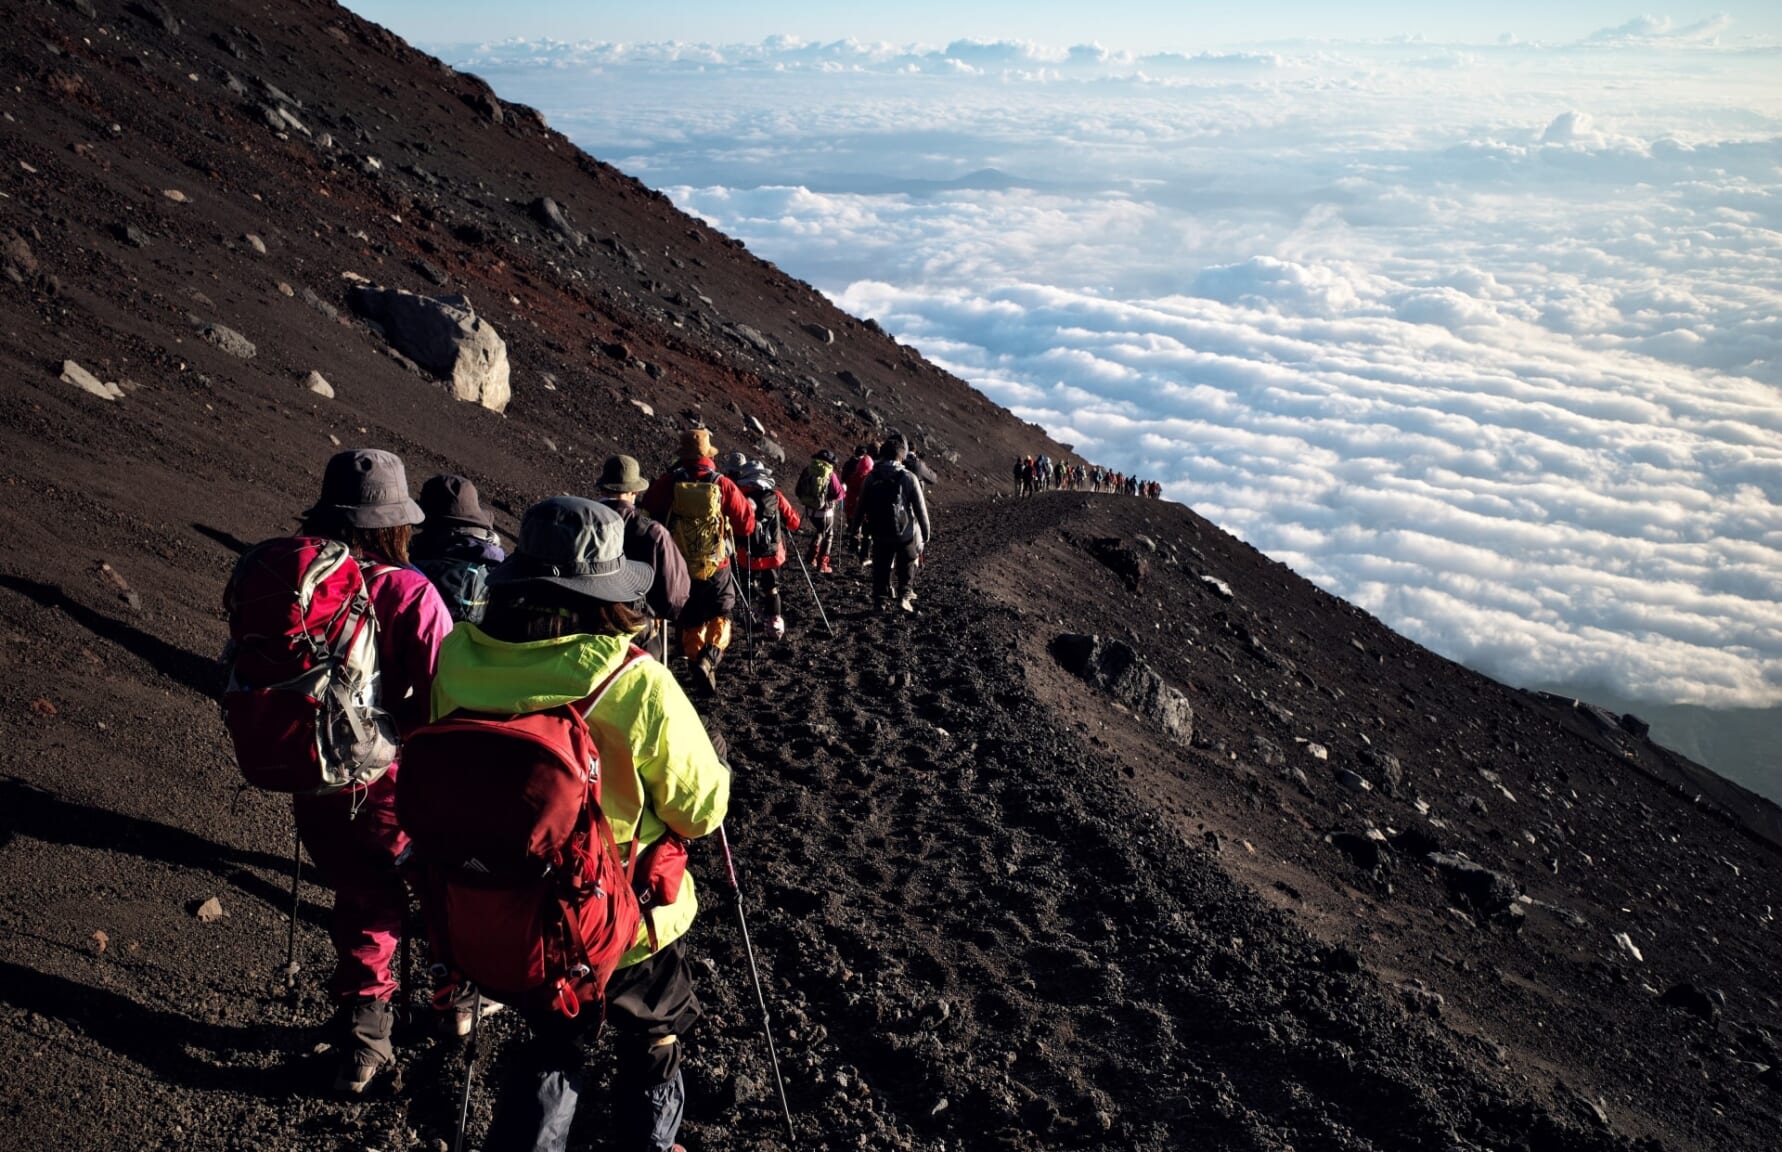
(577, 545)
(366, 488)
(696, 444)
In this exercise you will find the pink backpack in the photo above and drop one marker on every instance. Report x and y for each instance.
(302, 702)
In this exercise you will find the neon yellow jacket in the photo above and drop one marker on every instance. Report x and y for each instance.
(658, 770)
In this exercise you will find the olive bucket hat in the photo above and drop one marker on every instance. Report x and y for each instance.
(622, 474)
(366, 488)
(578, 545)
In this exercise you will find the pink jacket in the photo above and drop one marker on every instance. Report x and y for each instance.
(412, 622)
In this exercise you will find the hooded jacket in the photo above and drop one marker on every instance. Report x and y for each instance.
(658, 770)
(854, 477)
(891, 472)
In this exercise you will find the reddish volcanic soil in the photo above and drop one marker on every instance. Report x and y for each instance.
(1370, 900)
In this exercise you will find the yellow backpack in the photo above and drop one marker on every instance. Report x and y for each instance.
(696, 521)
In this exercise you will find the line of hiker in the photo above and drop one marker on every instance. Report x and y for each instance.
(1041, 473)
(388, 659)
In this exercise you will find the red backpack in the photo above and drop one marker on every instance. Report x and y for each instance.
(524, 891)
(302, 702)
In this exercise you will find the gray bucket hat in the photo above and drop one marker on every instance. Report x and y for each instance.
(575, 544)
(367, 488)
(621, 474)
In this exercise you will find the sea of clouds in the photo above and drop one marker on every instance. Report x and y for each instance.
(1484, 338)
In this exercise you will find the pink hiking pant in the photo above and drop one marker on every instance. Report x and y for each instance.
(354, 840)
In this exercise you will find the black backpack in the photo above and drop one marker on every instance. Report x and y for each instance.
(462, 583)
(888, 512)
(765, 540)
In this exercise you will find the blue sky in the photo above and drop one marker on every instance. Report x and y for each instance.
(1148, 25)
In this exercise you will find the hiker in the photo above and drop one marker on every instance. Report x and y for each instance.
(559, 630)
(706, 514)
(621, 479)
(766, 546)
(456, 545)
(854, 479)
(819, 489)
(352, 835)
(916, 464)
(896, 515)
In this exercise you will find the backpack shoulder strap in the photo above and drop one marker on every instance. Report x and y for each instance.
(587, 706)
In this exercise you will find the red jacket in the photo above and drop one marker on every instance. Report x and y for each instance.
(658, 498)
(858, 469)
(789, 522)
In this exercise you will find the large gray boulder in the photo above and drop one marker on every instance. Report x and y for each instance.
(445, 336)
(1116, 669)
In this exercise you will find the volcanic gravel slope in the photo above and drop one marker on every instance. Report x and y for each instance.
(993, 907)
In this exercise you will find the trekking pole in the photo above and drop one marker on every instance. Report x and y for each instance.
(811, 584)
(470, 1055)
(296, 897)
(760, 996)
(748, 610)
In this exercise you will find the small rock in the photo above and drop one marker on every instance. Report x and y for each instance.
(819, 333)
(1629, 948)
(74, 374)
(285, 289)
(254, 242)
(1693, 1000)
(318, 384)
(100, 941)
(1320, 752)
(754, 425)
(772, 450)
(43, 707)
(642, 407)
(551, 217)
(1490, 892)
(175, 195)
(1420, 998)
(1220, 588)
(229, 340)
(210, 911)
(130, 234)
(1353, 782)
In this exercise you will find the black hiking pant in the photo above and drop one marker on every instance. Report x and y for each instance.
(893, 567)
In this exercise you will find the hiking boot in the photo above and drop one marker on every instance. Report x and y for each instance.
(357, 1071)
(908, 603)
(705, 669)
(777, 626)
(824, 567)
(367, 1044)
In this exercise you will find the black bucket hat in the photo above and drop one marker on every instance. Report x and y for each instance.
(578, 545)
(450, 499)
(366, 488)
